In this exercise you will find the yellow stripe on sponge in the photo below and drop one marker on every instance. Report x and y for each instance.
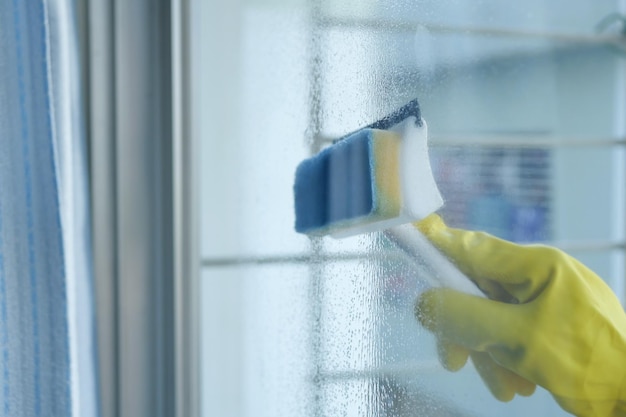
(386, 146)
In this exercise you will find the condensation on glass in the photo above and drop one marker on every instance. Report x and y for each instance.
(519, 98)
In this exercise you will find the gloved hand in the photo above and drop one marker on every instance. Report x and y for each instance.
(549, 321)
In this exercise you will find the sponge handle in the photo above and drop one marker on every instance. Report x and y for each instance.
(439, 268)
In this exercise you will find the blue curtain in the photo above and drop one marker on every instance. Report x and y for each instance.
(47, 354)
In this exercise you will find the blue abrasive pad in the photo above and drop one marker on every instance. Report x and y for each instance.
(335, 185)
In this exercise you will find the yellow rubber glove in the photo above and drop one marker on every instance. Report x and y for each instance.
(549, 321)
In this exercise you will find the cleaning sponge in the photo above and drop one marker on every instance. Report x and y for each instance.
(377, 179)
(355, 181)
(370, 180)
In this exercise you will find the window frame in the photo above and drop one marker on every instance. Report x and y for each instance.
(141, 175)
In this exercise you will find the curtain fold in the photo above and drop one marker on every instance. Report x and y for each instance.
(47, 357)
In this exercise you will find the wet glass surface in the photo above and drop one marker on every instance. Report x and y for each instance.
(520, 100)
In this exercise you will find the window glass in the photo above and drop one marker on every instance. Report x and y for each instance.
(524, 103)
